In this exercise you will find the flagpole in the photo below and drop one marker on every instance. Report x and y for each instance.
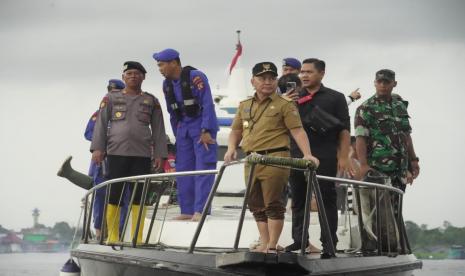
(238, 36)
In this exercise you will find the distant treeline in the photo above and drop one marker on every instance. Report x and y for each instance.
(419, 235)
(60, 231)
(63, 231)
(422, 237)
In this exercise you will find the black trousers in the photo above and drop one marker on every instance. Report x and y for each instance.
(298, 183)
(124, 166)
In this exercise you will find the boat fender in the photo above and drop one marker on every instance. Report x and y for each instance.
(70, 269)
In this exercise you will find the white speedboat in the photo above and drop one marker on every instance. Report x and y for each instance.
(219, 243)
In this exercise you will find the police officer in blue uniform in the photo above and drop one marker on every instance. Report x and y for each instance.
(96, 171)
(194, 123)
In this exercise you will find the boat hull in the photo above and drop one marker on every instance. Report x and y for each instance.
(107, 261)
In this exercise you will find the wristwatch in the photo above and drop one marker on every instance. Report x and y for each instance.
(415, 159)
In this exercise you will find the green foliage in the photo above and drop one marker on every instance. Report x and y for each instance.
(431, 255)
(454, 235)
(434, 242)
(63, 231)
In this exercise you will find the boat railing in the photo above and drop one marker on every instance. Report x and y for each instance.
(147, 180)
(162, 180)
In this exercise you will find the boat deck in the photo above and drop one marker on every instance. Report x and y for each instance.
(220, 227)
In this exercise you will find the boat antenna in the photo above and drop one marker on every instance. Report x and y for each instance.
(238, 36)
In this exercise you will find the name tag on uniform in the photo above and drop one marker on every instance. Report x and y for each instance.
(245, 124)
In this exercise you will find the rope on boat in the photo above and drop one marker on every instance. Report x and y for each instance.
(295, 163)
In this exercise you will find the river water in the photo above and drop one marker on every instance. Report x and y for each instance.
(49, 264)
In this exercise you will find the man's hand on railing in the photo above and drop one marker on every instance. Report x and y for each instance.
(312, 159)
(230, 156)
(98, 156)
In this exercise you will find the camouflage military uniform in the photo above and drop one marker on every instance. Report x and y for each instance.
(385, 125)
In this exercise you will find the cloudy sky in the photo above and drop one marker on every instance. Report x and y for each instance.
(57, 55)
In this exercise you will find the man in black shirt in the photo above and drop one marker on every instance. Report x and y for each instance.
(326, 120)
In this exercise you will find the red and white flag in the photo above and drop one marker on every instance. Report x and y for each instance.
(236, 56)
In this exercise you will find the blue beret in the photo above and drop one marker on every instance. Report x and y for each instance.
(166, 55)
(292, 62)
(115, 83)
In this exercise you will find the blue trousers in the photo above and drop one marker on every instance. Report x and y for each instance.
(95, 171)
(193, 191)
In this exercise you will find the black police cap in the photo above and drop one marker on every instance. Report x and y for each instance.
(128, 65)
(264, 67)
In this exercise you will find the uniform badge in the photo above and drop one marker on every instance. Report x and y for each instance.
(266, 66)
(198, 82)
(245, 124)
(104, 102)
(118, 114)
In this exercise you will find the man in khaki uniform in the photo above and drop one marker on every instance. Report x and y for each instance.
(263, 124)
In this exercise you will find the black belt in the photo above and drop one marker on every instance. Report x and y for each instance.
(265, 152)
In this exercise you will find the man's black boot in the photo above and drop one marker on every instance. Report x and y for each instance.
(293, 247)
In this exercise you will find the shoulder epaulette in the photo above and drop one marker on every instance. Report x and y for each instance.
(150, 95)
(248, 99)
(155, 100)
(286, 98)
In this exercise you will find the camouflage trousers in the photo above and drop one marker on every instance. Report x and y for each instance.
(388, 214)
